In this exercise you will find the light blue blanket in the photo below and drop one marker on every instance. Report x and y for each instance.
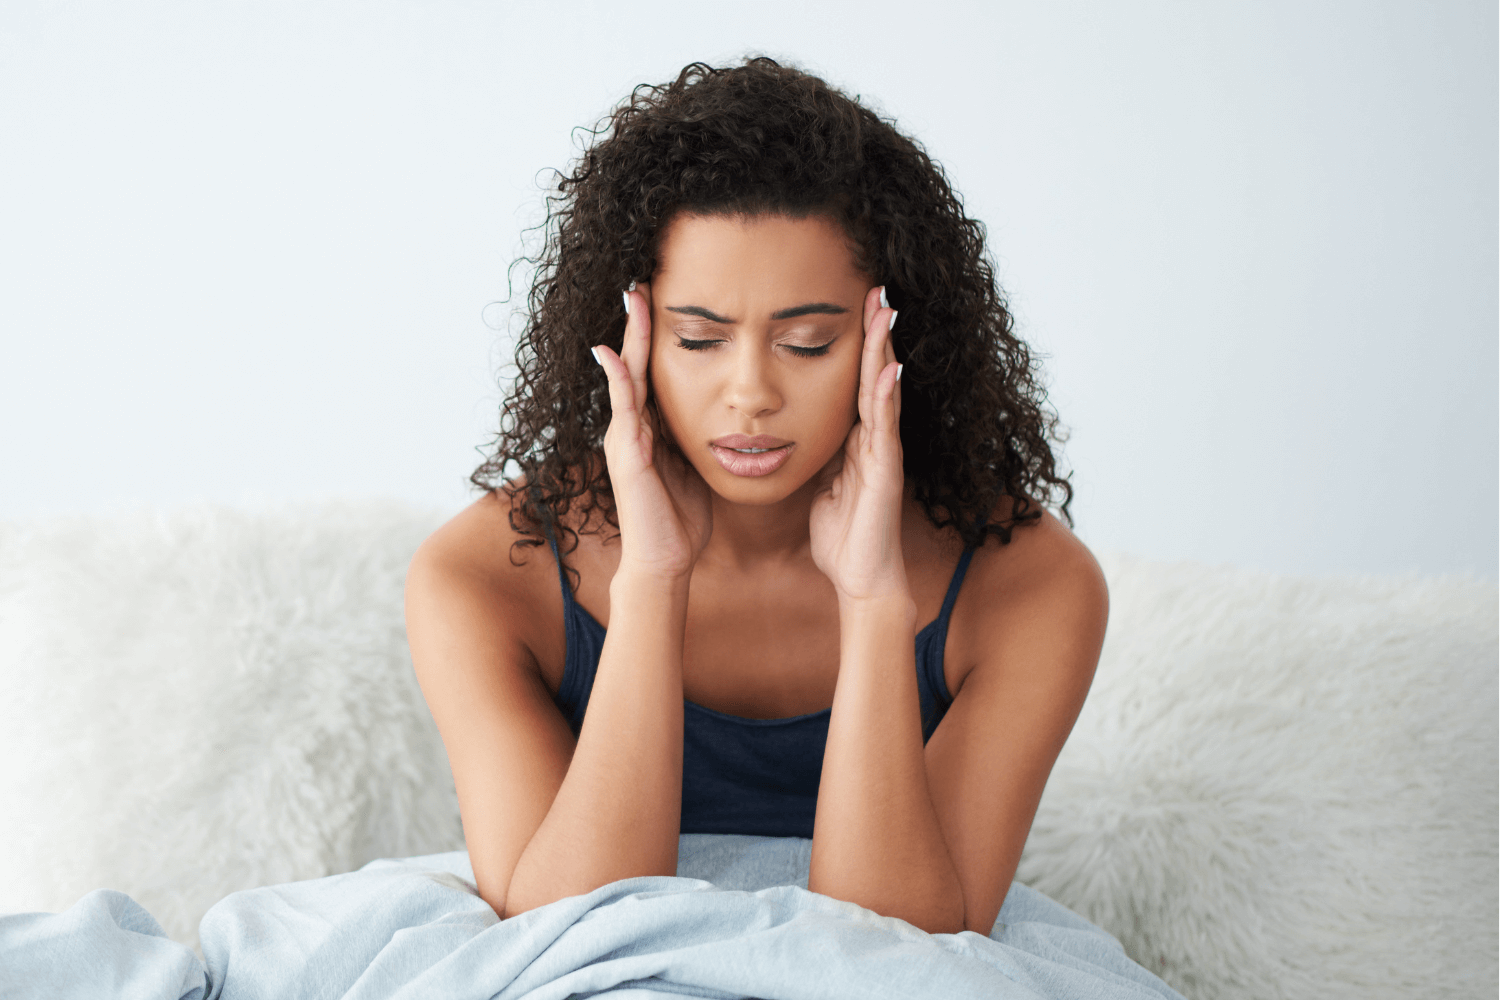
(737, 921)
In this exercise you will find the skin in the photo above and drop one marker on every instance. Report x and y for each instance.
(830, 548)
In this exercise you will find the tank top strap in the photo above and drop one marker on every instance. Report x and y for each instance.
(562, 574)
(583, 640)
(932, 688)
(958, 575)
(953, 585)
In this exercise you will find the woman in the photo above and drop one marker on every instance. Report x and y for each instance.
(798, 579)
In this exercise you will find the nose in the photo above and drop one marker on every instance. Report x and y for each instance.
(752, 388)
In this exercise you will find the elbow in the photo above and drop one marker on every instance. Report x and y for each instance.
(943, 927)
(982, 919)
(947, 920)
(934, 915)
(946, 912)
(494, 895)
(505, 896)
(513, 903)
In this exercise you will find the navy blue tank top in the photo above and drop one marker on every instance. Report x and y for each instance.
(739, 775)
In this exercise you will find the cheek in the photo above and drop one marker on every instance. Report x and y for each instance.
(832, 402)
(672, 392)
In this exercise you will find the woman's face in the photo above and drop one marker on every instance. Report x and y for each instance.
(756, 332)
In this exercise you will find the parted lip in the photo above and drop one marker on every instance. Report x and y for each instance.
(746, 441)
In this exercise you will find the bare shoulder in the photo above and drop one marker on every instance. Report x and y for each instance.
(478, 540)
(1043, 555)
(1039, 601)
(479, 568)
(480, 546)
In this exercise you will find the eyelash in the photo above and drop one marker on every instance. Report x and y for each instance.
(801, 352)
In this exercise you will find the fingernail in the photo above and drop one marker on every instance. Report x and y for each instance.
(595, 352)
(883, 303)
(626, 297)
(898, 372)
(893, 321)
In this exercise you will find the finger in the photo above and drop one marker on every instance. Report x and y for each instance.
(890, 360)
(636, 349)
(888, 409)
(890, 357)
(643, 293)
(896, 397)
(872, 303)
(872, 360)
(621, 390)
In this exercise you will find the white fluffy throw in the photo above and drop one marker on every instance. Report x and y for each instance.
(1280, 787)
(1285, 787)
(211, 701)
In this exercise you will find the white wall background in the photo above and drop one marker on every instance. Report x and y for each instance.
(246, 249)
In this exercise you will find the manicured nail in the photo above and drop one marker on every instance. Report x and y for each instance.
(898, 372)
(595, 352)
(893, 321)
(626, 297)
(883, 303)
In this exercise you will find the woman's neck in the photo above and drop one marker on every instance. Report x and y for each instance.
(746, 537)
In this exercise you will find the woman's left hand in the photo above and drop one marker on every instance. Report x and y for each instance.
(856, 514)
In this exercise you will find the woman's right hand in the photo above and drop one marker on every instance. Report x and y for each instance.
(661, 501)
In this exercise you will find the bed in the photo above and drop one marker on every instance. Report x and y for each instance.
(1280, 787)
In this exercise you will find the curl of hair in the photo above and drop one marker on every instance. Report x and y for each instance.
(766, 138)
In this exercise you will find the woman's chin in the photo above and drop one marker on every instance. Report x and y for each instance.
(760, 492)
(756, 491)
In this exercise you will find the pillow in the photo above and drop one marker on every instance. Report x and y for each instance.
(1285, 786)
(211, 701)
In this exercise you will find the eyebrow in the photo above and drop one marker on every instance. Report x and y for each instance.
(812, 308)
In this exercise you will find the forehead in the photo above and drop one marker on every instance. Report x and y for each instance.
(772, 251)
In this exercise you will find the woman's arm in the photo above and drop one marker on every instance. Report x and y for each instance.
(545, 817)
(469, 622)
(876, 840)
(618, 810)
(1030, 621)
(933, 835)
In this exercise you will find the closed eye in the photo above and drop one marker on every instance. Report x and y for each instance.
(801, 352)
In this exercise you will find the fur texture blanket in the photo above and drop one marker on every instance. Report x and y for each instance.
(1279, 786)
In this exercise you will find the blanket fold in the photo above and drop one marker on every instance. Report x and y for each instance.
(416, 928)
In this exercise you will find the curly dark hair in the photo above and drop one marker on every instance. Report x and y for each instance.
(758, 138)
